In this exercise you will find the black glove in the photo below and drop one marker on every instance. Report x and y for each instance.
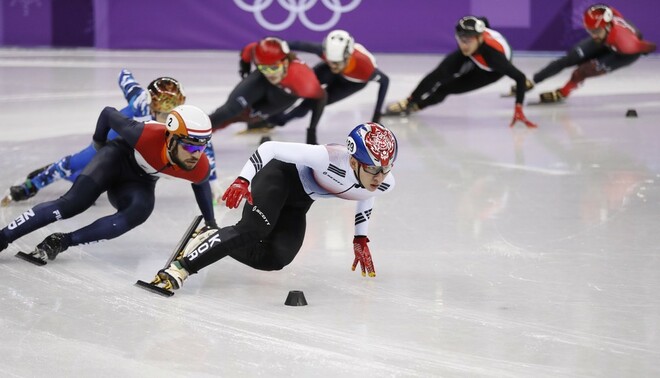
(243, 68)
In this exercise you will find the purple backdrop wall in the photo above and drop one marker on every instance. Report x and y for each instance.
(381, 25)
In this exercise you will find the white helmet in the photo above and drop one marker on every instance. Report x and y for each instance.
(338, 46)
(189, 122)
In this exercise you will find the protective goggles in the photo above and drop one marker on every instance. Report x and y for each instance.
(271, 69)
(192, 147)
(376, 169)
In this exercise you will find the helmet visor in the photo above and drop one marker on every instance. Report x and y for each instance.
(271, 69)
(376, 169)
(192, 146)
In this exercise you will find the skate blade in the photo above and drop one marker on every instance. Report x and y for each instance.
(394, 114)
(154, 289)
(6, 200)
(545, 103)
(258, 130)
(507, 95)
(29, 258)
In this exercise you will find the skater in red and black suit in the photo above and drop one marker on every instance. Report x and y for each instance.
(347, 67)
(483, 57)
(127, 168)
(279, 81)
(613, 43)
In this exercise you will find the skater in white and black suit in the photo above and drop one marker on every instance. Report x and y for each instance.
(285, 179)
(127, 168)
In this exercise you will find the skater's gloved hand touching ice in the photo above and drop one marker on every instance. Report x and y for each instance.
(236, 192)
(519, 115)
(363, 256)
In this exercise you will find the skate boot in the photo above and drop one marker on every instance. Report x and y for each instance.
(20, 193)
(52, 246)
(528, 86)
(552, 97)
(172, 278)
(257, 125)
(401, 108)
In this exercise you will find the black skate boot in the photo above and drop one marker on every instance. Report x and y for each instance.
(47, 249)
(23, 191)
(52, 246)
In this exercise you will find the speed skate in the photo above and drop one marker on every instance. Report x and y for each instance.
(160, 286)
(32, 258)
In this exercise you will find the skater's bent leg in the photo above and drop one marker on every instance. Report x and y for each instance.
(280, 247)
(134, 202)
(79, 198)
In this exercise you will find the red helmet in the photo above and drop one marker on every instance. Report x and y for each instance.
(270, 51)
(597, 16)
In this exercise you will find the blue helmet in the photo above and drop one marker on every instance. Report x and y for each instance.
(372, 144)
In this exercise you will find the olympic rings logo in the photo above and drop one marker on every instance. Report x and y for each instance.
(297, 9)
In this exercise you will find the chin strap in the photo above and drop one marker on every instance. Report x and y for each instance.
(357, 177)
(171, 152)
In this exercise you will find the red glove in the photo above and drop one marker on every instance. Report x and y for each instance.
(236, 192)
(518, 115)
(363, 256)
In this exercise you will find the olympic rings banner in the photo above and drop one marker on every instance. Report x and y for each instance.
(397, 26)
(297, 10)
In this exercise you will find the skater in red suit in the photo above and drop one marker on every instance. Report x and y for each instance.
(279, 81)
(613, 43)
(347, 67)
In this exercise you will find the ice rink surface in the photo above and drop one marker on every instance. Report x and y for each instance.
(501, 253)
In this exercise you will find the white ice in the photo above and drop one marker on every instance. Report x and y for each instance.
(502, 252)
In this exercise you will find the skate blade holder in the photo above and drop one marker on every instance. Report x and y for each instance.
(150, 286)
(30, 258)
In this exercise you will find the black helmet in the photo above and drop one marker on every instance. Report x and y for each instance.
(471, 26)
